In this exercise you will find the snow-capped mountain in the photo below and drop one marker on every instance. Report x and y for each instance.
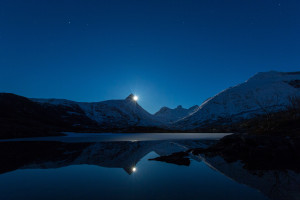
(263, 93)
(169, 115)
(109, 114)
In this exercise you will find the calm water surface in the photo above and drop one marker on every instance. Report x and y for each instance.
(112, 168)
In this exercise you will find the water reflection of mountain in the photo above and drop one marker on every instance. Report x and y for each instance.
(276, 184)
(46, 154)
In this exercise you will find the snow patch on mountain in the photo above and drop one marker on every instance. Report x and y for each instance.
(263, 93)
(112, 113)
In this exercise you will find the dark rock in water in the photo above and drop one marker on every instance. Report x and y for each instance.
(179, 158)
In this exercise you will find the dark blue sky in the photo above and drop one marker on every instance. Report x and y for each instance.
(167, 52)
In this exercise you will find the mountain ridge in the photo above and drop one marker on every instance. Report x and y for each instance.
(110, 113)
(263, 93)
(260, 95)
(170, 115)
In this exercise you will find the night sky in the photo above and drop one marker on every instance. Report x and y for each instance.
(169, 53)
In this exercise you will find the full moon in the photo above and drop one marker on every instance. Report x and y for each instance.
(133, 169)
(135, 98)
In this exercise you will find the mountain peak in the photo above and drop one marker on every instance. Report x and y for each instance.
(169, 115)
(163, 109)
(264, 75)
(130, 97)
(194, 107)
(273, 76)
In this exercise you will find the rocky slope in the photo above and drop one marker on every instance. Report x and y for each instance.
(21, 117)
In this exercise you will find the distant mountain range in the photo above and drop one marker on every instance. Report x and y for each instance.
(169, 116)
(262, 94)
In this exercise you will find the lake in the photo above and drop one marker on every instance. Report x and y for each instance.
(117, 166)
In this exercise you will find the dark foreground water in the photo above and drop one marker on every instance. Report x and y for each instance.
(117, 167)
